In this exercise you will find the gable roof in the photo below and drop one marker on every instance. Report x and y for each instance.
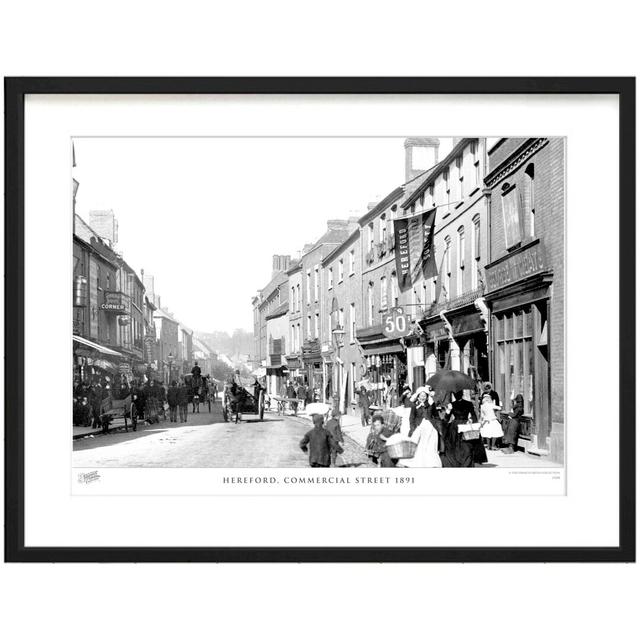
(279, 311)
(385, 203)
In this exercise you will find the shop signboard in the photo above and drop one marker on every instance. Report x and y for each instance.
(521, 264)
(395, 324)
(115, 302)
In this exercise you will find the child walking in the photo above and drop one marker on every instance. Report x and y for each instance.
(489, 426)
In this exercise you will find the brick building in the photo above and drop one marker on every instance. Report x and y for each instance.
(293, 353)
(525, 282)
(265, 302)
(341, 312)
(454, 316)
(311, 322)
(277, 331)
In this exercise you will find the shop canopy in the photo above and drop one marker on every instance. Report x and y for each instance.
(96, 347)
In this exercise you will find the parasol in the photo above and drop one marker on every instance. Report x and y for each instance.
(320, 408)
(447, 380)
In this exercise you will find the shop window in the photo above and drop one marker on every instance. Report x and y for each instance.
(514, 357)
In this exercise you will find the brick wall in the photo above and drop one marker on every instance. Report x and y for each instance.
(550, 228)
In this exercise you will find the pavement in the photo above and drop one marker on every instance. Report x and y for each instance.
(207, 441)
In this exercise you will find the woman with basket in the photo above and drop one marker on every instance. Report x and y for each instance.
(461, 449)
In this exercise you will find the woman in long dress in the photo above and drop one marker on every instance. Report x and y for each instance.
(423, 433)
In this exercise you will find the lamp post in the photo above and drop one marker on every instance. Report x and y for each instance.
(170, 359)
(338, 335)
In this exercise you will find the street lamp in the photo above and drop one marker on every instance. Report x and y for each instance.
(170, 359)
(338, 335)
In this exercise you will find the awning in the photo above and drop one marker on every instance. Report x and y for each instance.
(96, 347)
(380, 349)
(277, 371)
(463, 325)
(260, 372)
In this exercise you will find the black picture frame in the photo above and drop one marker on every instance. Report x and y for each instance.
(15, 91)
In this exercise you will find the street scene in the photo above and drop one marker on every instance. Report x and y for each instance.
(420, 325)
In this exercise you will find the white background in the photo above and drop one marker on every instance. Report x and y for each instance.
(53, 517)
(329, 39)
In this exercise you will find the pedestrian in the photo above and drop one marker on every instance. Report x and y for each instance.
(301, 394)
(364, 402)
(291, 393)
(459, 452)
(172, 399)
(319, 444)
(333, 427)
(512, 431)
(96, 403)
(376, 441)
(183, 401)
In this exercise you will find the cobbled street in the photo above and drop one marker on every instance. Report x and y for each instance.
(206, 441)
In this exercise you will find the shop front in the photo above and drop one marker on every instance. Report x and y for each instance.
(519, 297)
(313, 369)
(385, 361)
(455, 333)
(294, 367)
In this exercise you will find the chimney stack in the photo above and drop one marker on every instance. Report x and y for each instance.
(420, 154)
(280, 263)
(333, 225)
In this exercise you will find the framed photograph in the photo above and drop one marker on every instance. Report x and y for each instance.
(320, 319)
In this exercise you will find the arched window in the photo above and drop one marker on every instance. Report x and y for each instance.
(530, 193)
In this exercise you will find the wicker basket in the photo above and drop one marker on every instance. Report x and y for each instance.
(402, 449)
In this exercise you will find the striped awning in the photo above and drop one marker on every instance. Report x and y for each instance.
(96, 347)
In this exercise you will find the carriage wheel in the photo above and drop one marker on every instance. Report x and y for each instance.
(261, 405)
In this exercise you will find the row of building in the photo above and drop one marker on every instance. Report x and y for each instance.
(494, 309)
(120, 327)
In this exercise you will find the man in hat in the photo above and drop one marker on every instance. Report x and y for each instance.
(333, 427)
(319, 444)
(365, 402)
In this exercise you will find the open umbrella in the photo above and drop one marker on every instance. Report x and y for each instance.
(447, 380)
(320, 408)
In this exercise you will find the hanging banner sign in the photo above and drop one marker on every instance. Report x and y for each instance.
(415, 255)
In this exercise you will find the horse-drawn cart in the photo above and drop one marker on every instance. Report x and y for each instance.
(198, 391)
(237, 400)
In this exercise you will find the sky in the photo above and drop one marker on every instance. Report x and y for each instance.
(205, 215)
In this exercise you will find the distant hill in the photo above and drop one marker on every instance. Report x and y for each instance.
(240, 342)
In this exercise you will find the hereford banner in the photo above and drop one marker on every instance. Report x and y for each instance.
(415, 255)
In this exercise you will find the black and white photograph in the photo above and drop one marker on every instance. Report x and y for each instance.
(324, 302)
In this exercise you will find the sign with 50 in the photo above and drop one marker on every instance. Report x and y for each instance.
(396, 324)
